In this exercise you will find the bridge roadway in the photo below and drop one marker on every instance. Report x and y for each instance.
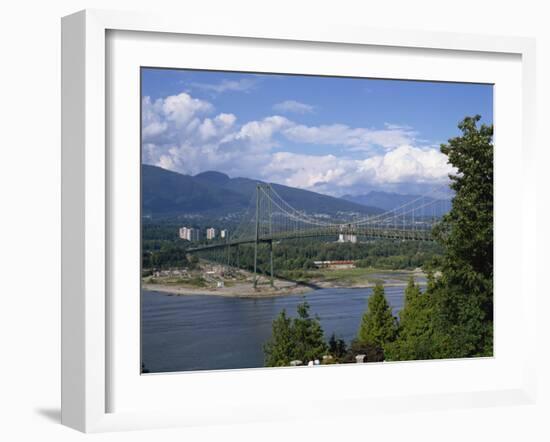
(370, 232)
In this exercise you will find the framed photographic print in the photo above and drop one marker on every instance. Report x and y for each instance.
(249, 213)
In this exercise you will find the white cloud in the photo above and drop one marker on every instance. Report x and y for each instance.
(182, 133)
(408, 163)
(153, 129)
(337, 175)
(292, 106)
(305, 171)
(220, 125)
(182, 108)
(242, 85)
(259, 134)
(174, 112)
(353, 138)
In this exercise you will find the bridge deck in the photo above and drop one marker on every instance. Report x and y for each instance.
(403, 234)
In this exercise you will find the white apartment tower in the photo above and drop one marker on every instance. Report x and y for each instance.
(210, 233)
(345, 237)
(189, 233)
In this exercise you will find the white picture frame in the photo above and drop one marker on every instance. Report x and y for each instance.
(87, 356)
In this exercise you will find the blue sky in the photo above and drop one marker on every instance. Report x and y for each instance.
(328, 134)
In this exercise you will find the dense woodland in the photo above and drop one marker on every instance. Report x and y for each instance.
(453, 317)
(293, 255)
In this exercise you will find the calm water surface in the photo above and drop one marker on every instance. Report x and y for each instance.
(212, 332)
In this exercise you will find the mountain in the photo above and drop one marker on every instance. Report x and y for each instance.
(167, 193)
(384, 200)
(392, 200)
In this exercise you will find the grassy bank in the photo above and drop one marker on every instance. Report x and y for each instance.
(349, 277)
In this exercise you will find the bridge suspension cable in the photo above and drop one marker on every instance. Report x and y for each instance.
(376, 219)
(269, 217)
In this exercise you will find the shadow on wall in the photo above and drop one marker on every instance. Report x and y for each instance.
(51, 414)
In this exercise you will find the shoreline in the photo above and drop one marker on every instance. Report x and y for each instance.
(282, 288)
(245, 290)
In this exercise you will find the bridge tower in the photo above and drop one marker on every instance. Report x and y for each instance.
(259, 189)
(269, 211)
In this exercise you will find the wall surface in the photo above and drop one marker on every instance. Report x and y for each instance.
(30, 215)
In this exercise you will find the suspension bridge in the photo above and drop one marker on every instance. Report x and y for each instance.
(270, 219)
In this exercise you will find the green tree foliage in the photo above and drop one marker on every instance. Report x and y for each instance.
(415, 331)
(372, 352)
(378, 326)
(308, 335)
(463, 295)
(300, 338)
(163, 251)
(454, 318)
(337, 347)
(166, 255)
(280, 350)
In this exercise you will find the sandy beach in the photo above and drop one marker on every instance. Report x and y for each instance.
(239, 290)
(245, 288)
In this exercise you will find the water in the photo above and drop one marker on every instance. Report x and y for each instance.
(207, 332)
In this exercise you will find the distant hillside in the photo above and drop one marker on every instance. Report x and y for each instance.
(167, 193)
(391, 200)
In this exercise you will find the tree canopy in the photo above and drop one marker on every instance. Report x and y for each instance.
(300, 338)
(454, 317)
(378, 326)
(463, 295)
(415, 331)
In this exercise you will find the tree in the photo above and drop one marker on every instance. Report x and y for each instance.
(308, 335)
(415, 332)
(280, 350)
(337, 347)
(372, 352)
(463, 295)
(300, 338)
(378, 326)
(193, 261)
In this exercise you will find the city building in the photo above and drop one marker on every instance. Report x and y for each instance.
(190, 233)
(224, 234)
(346, 237)
(210, 233)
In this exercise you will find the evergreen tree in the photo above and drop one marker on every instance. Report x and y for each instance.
(378, 326)
(372, 352)
(308, 335)
(337, 347)
(415, 331)
(280, 350)
(300, 338)
(463, 295)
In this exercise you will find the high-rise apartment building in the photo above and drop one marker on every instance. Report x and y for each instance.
(190, 233)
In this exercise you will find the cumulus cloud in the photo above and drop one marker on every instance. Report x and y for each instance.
(213, 128)
(292, 106)
(408, 163)
(259, 135)
(185, 134)
(354, 138)
(175, 112)
(337, 175)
